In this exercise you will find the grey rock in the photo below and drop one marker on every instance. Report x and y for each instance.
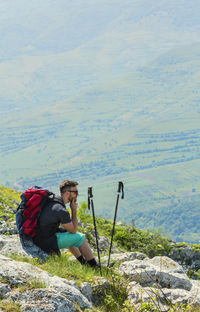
(161, 296)
(5, 218)
(176, 296)
(173, 280)
(103, 243)
(13, 244)
(126, 256)
(20, 273)
(195, 291)
(94, 235)
(139, 272)
(4, 289)
(186, 256)
(87, 291)
(3, 227)
(166, 264)
(62, 286)
(98, 289)
(40, 300)
(136, 293)
(81, 224)
(72, 283)
(7, 226)
(161, 270)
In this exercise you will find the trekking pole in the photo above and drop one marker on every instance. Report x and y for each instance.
(90, 202)
(120, 188)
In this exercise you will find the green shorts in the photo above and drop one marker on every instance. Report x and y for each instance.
(67, 239)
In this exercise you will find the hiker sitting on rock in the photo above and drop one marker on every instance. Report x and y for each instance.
(52, 238)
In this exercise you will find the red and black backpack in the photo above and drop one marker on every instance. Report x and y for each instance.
(33, 201)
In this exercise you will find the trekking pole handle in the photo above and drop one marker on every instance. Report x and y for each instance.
(121, 189)
(90, 195)
(90, 192)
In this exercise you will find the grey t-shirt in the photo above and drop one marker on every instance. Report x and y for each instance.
(54, 214)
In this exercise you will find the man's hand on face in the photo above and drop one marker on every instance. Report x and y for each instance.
(73, 204)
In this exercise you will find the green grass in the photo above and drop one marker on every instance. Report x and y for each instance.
(9, 196)
(32, 284)
(9, 200)
(63, 267)
(9, 306)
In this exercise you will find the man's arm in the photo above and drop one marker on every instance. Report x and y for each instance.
(72, 226)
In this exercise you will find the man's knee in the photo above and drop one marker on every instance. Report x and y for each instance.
(85, 242)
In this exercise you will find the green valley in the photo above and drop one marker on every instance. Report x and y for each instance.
(101, 93)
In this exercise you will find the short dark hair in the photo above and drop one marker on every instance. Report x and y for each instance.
(66, 186)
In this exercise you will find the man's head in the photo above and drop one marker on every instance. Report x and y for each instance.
(68, 190)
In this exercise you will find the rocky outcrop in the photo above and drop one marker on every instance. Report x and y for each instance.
(126, 256)
(42, 300)
(7, 227)
(104, 244)
(160, 278)
(187, 255)
(13, 244)
(162, 270)
(56, 294)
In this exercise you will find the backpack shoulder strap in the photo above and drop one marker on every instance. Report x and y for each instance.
(59, 200)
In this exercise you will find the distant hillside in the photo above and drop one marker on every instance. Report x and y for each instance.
(53, 50)
(142, 128)
(101, 104)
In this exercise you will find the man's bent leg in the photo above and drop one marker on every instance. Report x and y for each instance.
(72, 242)
(75, 251)
(69, 240)
(87, 253)
(83, 254)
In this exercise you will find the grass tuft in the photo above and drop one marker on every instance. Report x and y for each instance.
(9, 306)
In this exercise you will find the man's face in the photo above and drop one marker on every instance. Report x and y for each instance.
(73, 193)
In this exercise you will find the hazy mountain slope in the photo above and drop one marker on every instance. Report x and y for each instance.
(94, 91)
(144, 102)
(155, 93)
(54, 26)
(57, 26)
(53, 50)
(142, 128)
